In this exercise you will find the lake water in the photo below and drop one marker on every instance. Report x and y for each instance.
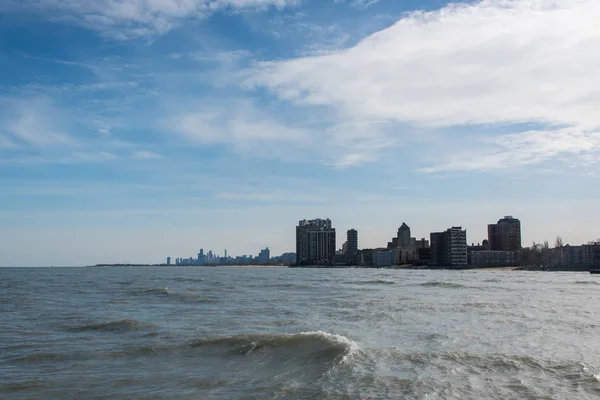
(277, 333)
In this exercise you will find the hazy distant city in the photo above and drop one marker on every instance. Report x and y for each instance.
(316, 247)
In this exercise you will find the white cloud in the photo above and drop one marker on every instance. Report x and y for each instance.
(145, 155)
(79, 157)
(32, 123)
(531, 147)
(360, 4)
(489, 62)
(242, 126)
(126, 19)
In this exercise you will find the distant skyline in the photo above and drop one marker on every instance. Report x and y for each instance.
(138, 129)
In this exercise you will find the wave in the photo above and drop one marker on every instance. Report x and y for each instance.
(322, 344)
(443, 284)
(586, 283)
(123, 325)
(187, 297)
(299, 348)
(195, 298)
(373, 282)
(157, 290)
(285, 285)
(188, 280)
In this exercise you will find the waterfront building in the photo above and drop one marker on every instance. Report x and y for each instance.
(582, 257)
(264, 256)
(505, 235)
(449, 248)
(403, 255)
(352, 246)
(315, 242)
(404, 235)
(493, 258)
(382, 258)
(420, 243)
(168, 260)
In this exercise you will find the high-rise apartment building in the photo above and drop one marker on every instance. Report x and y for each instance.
(352, 247)
(264, 256)
(352, 238)
(404, 235)
(505, 235)
(168, 260)
(449, 248)
(315, 242)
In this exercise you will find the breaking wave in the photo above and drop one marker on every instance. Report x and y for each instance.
(320, 345)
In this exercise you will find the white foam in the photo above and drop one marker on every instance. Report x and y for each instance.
(335, 338)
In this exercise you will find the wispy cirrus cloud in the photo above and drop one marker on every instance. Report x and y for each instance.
(32, 122)
(241, 126)
(531, 61)
(572, 146)
(128, 19)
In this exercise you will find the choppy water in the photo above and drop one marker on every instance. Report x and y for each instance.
(256, 333)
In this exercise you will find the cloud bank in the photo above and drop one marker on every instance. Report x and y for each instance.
(489, 62)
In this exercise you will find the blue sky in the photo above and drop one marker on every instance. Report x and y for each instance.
(132, 130)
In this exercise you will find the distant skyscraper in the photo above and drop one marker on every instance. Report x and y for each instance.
(404, 235)
(225, 253)
(449, 248)
(352, 247)
(505, 235)
(315, 242)
(168, 260)
(264, 256)
(352, 238)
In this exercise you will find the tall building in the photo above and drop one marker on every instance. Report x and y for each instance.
(404, 235)
(505, 235)
(352, 247)
(449, 248)
(168, 260)
(225, 253)
(352, 238)
(264, 256)
(315, 242)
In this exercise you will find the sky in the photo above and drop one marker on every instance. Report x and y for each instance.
(133, 130)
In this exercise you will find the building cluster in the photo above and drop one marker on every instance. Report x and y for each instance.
(263, 258)
(316, 246)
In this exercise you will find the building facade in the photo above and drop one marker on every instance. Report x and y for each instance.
(404, 235)
(382, 258)
(449, 248)
(505, 235)
(493, 258)
(315, 242)
(352, 247)
(264, 256)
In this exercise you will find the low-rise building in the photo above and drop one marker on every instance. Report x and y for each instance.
(382, 258)
(493, 258)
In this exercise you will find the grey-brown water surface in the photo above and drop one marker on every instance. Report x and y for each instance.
(276, 333)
